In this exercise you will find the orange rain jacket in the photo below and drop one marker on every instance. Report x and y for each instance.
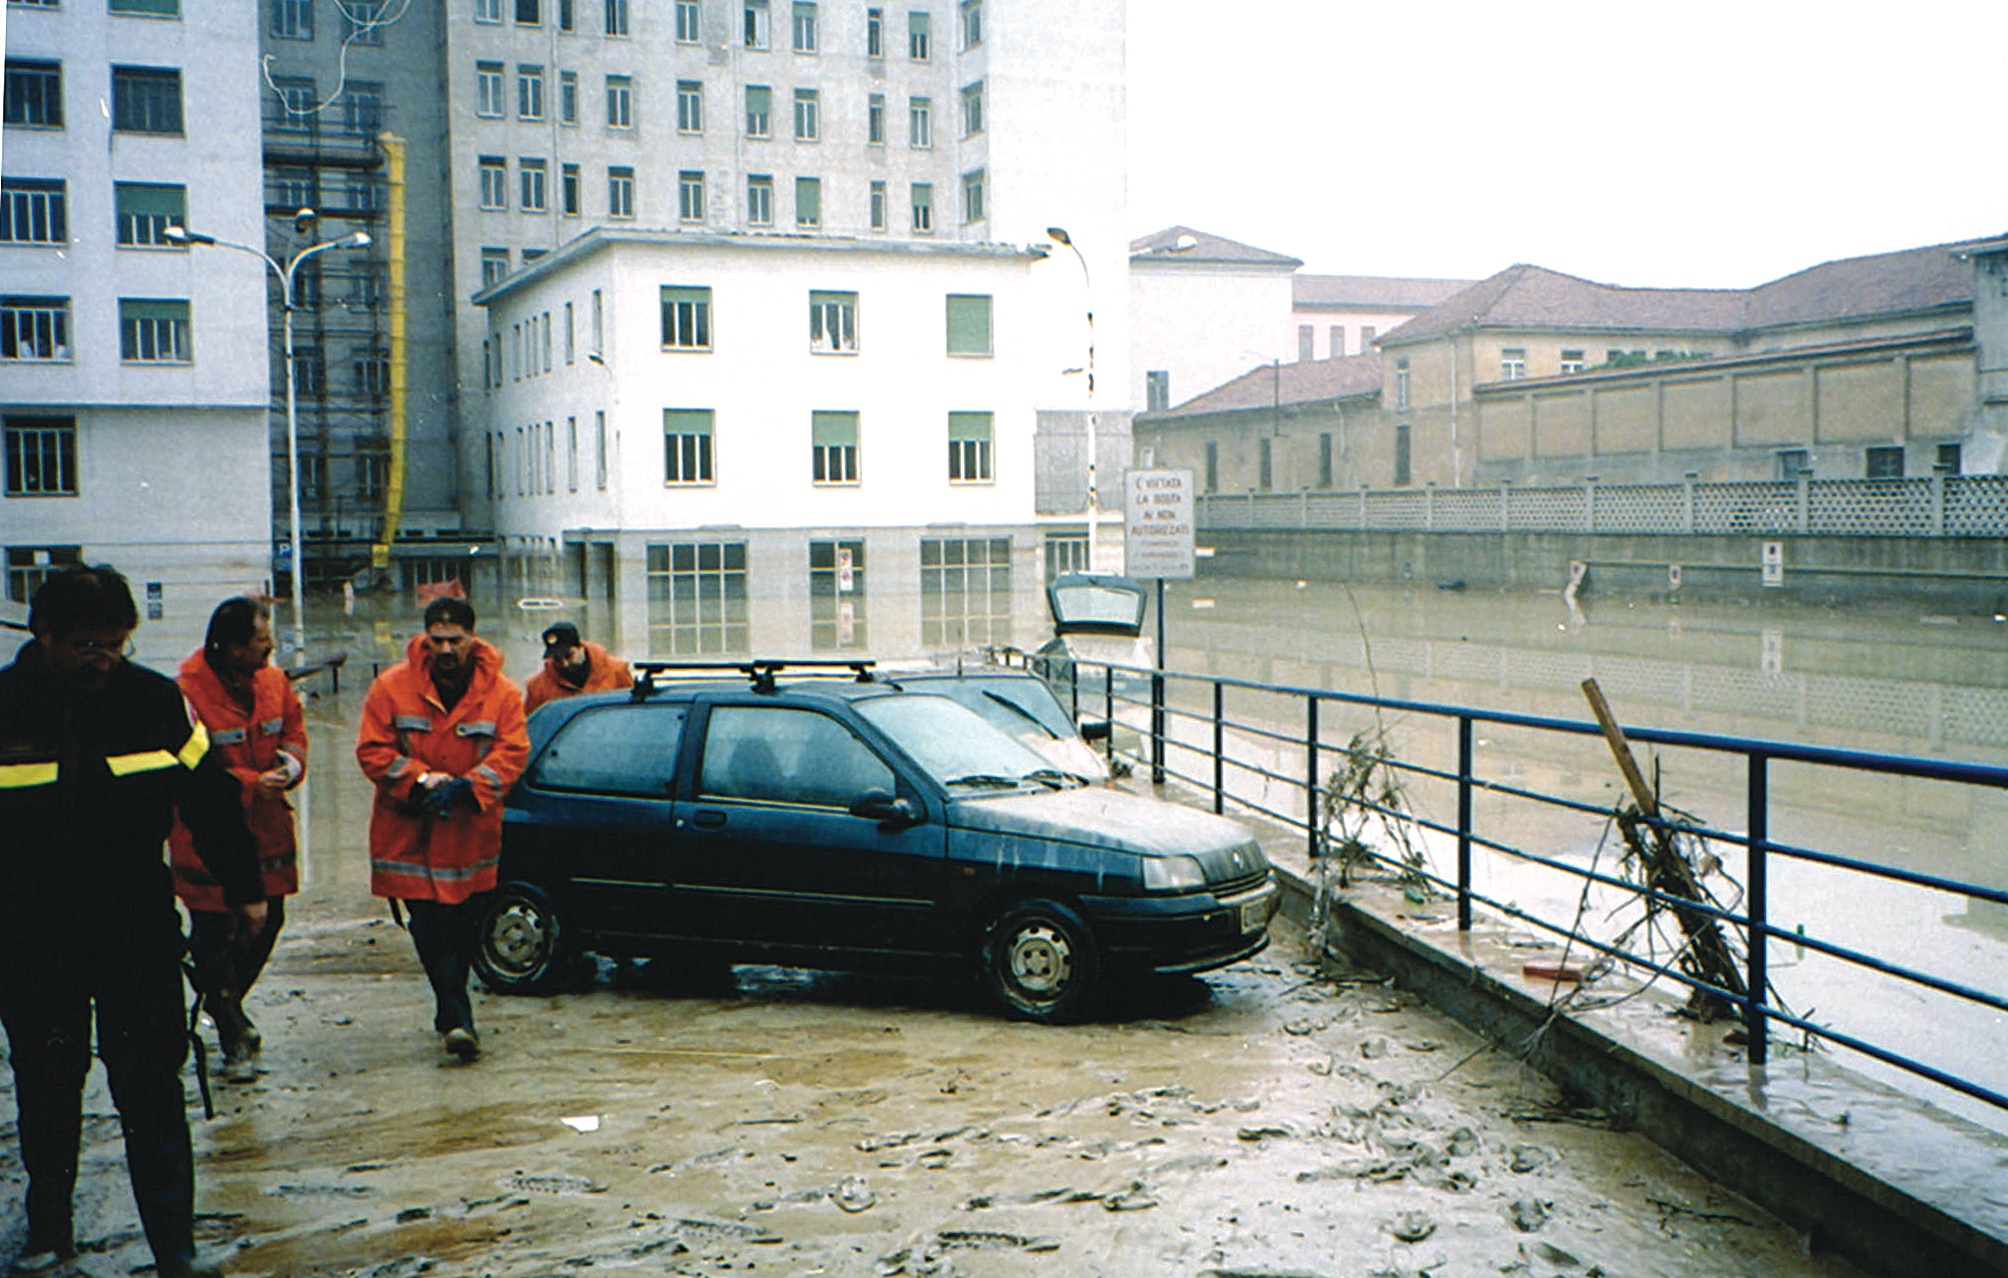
(407, 731)
(604, 673)
(272, 733)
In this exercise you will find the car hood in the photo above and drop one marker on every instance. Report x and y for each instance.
(1118, 821)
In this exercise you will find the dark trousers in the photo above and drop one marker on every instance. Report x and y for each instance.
(444, 935)
(46, 1001)
(223, 962)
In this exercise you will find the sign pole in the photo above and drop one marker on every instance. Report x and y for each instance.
(1157, 698)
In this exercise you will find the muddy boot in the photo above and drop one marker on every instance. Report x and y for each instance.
(236, 1036)
(463, 1045)
(40, 1259)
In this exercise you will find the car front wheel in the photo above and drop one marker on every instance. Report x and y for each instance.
(520, 945)
(1040, 962)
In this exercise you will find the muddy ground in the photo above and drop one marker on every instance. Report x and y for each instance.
(1270, 1119)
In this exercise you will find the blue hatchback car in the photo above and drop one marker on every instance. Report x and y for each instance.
(842, 823)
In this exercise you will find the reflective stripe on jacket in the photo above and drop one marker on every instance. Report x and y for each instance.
(604, 673)
(272, 733)
(407, 731)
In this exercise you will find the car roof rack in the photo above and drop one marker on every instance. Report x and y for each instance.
(649, 675)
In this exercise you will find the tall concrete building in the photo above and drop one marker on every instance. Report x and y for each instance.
(133, 382)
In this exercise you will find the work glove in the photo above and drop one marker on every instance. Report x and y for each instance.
(448, 795)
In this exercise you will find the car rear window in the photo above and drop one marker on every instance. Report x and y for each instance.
(618, 749)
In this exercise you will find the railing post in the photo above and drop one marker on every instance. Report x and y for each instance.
(1805, 502)
(1687, 503)
(1464, 770)
(1938, 503)
(1219, 753)
(1757, 978)
(1109, 707)
(1311, 777)
(1590, 504)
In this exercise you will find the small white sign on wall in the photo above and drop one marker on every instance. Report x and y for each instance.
(1774, 563)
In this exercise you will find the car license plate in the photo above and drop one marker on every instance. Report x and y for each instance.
(1254, 914)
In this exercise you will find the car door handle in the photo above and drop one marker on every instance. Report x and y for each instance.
(709, 819)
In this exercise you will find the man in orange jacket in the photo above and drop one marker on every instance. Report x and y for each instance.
(442, 737)
(572, 666)
(257, 729)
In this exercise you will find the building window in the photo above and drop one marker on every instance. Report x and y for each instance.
(972, 110)
(919, 36)
(527, 13)
(1212, 466)
(1402, 475)
(1157, 390)
(1401, 384)
(686, 435)
(494, 266)
(920, 123)
(1335, 345)
(759, 200)
(754, 27)
(1946, 461)
(620, 102)
(923, 207)
(836, 596)
(494, 182)
(689, 28)
(969, 448)
(488, 10)
(153, 331)
(372, 475)
(369, 366)
(808, 115)
(1513, 363)
(617, 17)
(34, 328)
(689, 106)
(875, 33)
(299, 103)
(972, 23)
(620, 192)
(965, 592)
(690, 196)
(697, 598)
(145, 100)
(1325, 459)
(292, 19)
(600, 449)
(1794, 462)
(759, 111)
(34, 94)
(41, 456)
(529, 92)
(488, 90)
(34, 211)
(1367, 335)
(1885, 463)
(28, 567)
(571, 454)
(835, 447)
(1066, 552)
(533, 176)
(145, 212)
(364, 192)
(875, 119)
(362, 21)
(972, 197)
(833, 323)
(1573, 363)
(808, 202)
(1307, 340)
(568, 18)
(805, 27)
(878, 205)
(568, 190)
(568, 97)
(968, 324)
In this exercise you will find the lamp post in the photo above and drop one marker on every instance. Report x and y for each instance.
(1058, 234)
(285, 274)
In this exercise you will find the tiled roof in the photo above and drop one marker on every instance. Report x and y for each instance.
(1317, 381)
(1392, 292)
(1524, 296)
(1211, 249)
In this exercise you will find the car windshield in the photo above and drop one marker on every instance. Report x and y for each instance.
(955, 745)
(1012, 702)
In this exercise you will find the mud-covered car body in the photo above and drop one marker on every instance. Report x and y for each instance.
(850, 825)
(1019, 703)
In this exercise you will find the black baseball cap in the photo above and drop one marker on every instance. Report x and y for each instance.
(560, 636)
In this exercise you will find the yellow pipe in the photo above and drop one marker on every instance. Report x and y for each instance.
(393, 147)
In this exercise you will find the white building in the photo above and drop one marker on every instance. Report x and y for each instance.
(133, 374)
(755, 153)
(1207, 310)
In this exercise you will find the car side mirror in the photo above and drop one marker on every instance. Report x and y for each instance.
(882, 805)
(1095, 730)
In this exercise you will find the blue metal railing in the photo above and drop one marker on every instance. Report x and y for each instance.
(1162, 742)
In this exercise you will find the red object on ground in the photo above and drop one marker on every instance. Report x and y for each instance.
(1552, 972)
(448, 589)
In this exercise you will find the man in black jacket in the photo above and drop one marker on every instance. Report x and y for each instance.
(96, 755)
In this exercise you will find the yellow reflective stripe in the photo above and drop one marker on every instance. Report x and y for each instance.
(145, 761)
(195, 747)
(19, 776)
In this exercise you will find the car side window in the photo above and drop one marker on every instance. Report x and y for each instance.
(617, 749)
(781, 755)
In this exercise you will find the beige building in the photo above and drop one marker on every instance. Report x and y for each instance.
(1283, 427)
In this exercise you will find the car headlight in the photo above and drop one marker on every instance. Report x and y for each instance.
(1172, 874)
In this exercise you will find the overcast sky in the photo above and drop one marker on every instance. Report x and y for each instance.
(1700, 144)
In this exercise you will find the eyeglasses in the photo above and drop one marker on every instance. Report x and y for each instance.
(91, 647)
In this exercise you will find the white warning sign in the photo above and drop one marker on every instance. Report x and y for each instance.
(1157, 525)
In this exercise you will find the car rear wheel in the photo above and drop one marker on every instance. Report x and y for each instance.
(520, 945)
(1040, 962)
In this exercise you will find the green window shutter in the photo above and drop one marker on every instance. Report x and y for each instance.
(834, 428)
(808, 201)
(138, 199)
(962, 426)
(686, 421)
(149, 309)
(170, 8)
(968, 325)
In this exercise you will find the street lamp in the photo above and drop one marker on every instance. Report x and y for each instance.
(361, 239)
(1058, 234)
